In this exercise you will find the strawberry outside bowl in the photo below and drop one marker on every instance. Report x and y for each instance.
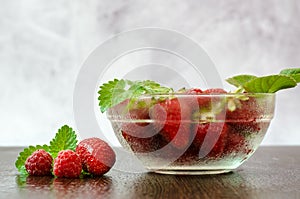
(190, 133)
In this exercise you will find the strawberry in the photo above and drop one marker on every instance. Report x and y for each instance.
(191, 155)
(96, 155)
(203, 97)
(173, 117)
(193, 91)
(244, 117)
(140, 144)
(206, 101)
(67, 164)
(215, 91)
(235, 142)
(133, 118)
(209, 134)
(39, 163)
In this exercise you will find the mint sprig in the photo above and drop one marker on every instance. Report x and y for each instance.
(64, 139)
(292, 72)
(116, 91)
(240, 80)
(269, 84)
(287, 78)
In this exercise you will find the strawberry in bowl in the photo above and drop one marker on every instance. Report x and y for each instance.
(193, 131)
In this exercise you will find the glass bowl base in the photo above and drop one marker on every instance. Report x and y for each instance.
(191, 172)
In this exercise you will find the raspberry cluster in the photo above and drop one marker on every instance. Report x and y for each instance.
(92, 155)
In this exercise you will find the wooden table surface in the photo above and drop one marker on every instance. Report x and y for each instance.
(272, 172)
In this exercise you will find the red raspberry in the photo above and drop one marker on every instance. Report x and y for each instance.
(39, 163)
(173, 117)
(211, 133)
(96, 155)
(67, 164)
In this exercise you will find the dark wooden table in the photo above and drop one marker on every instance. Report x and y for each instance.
(272, 172)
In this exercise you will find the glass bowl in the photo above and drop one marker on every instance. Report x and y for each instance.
(192, 133)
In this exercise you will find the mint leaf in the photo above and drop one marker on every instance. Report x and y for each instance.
(20, 162)
(112, 93)
(269, 84)
(64, 139)
(240, 80)
(116, 91)
(292, 72)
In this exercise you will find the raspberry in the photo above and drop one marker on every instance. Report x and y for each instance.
(67, 164)
(173, 117)
(96, 155)
(39, 163)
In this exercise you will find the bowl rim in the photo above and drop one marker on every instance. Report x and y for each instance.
(206, 94)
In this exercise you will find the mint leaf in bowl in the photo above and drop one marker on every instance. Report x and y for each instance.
(287, 78)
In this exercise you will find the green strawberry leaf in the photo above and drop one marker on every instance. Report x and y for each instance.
(20, 162)
(269, 84)
(240, 80)
(292, 72)
(64, 139)
(116, 91)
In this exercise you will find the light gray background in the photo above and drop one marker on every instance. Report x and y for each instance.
(43, 43)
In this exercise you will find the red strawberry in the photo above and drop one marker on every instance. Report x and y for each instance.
(39, 163)
(173, 116)
(140, 144)
(235, 142)
(246, 111)
(244, 117)
(194, 91)
(133, 118)
(194, 99)
(209, 134)
(191, 155)
(203, 97)
(96, 155)
(214, 91)
(206, 101)
(67, 164)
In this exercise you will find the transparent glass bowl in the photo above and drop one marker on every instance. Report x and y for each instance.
(193, 133)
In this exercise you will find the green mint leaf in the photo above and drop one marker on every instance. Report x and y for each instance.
(116, 91)
(20, 162)
(269, 84)
(292, 72)
(64, 139)
(112, 93)
(240, 80)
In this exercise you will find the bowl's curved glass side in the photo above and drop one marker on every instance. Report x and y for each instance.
(240, 132)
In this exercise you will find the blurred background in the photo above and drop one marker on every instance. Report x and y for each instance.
(43, 44)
